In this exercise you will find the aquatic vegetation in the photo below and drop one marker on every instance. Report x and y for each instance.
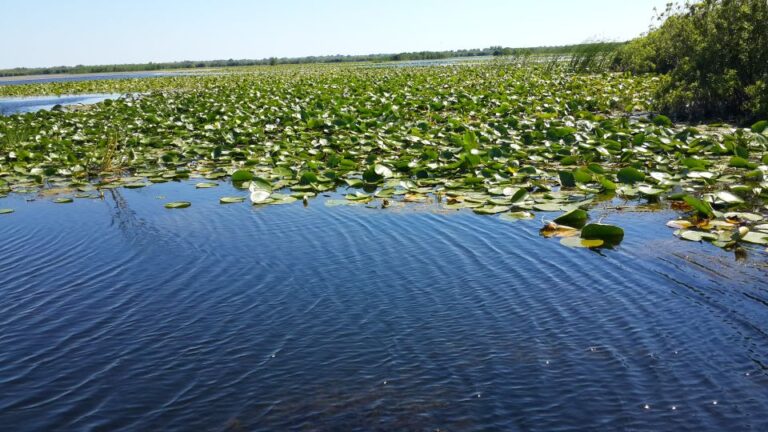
(493, 138)
(178, 204)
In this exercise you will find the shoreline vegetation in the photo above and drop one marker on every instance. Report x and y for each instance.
(369, 58)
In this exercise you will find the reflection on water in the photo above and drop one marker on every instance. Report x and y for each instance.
(119, 313)
(18, 105)
(39, 79)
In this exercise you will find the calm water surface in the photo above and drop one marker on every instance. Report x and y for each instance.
(19, 105)
(39, 79)
(119, 314)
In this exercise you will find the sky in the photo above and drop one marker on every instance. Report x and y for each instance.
(38, 33)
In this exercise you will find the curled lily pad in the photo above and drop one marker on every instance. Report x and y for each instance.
(701, 207)
(575, 218)
(6, 210)
(231, 200)
(630, 175)
(178, 204)
(383, 171)
(240, 176)
(259, 196)
(610, 234)
(63, 200)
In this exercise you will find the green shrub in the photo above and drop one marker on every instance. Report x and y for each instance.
(714, 55)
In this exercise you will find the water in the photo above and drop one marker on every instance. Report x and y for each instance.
(452, 61)
(17, 105)
(40, 79)
(121, 314)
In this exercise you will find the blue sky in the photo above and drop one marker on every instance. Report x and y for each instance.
(69, 32)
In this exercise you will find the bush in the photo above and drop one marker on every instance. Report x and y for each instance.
(715, 57)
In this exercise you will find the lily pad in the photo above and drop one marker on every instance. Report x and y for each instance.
(240, 176)
(231, 200)
(630, 175)
(701, 207)
(489, 210)
(178, 204)
(259, 196)
(575, 218)
(6, 210)
(610, 234)
(206, 185)
(696, 236)
(577, 242)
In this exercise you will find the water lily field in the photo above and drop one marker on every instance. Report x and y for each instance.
(497, 139)
(407, 245)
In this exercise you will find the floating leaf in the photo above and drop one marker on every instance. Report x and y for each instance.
(756, 238)
(489, 210)
(205, 185)
(630, 175)
(178, 204)
(259, 196)
(231, 200)
(567, 179)
(697, 236)
(258, 183)
(6, 210)
(136, 185)
(575, 218)
(63, 200)
(610, 234)
(576, 242)
(516, 216)
(240, 176)
(729, 198)
(548, 207)
(701, 207)
(383, 171)
(760, 126)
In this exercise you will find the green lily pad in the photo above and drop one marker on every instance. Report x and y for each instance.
(240, 176)
(610, 234)
(630, 175)
(755, 238)
(178, 204)
(574, 218)
(701, 207)
(697, 236)
(63, 200)
(231, 200)
(516, 216)
(548, 207)
(489, 210)
(136, 185)
(6, 210)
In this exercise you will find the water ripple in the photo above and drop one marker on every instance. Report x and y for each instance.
(238, 317)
